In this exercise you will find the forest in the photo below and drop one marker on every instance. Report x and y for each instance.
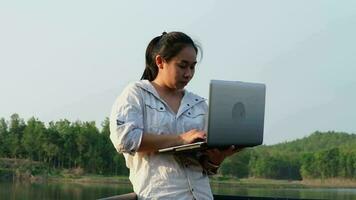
(69, 145)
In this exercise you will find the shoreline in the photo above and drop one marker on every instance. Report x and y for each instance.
(273, 183)
(214, 181)
(91, 179)
(32, 171)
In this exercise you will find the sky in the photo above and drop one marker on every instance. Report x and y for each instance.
(71, 59)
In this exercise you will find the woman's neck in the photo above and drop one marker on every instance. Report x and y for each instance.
(164, 89)
(171, 96)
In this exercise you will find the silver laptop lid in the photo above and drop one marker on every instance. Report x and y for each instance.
(236, 113)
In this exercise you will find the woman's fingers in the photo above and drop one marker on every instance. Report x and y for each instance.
(192, 136)
(198, 135)
(201, 134)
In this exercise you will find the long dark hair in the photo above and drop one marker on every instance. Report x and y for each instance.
(166, 45)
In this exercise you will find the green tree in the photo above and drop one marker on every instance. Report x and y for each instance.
(31, 140)
(309, 166)
(350, 164)
(327, 162)
(237, 165)
(120, 166)
(4, 133)
(69, 152)
(86, 141)
(51, 145)
(16, 128)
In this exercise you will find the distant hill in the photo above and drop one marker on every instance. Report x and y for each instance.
(318, 141)
(320, 155)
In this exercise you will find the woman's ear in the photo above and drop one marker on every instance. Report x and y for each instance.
(159, 61)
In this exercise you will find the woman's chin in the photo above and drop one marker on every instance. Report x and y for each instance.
(181, 86)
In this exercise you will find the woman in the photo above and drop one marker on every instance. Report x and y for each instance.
(157, 112)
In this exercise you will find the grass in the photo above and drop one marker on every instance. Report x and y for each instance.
(330, 183)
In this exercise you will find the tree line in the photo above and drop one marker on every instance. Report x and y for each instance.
(65, 145)
(61, 144)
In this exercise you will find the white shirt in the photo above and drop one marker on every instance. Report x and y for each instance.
(139, 110)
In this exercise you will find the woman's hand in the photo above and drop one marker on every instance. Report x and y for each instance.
(192, 136)
(153, 142)
(217, 156)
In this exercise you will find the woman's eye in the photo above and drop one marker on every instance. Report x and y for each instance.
(184, 66)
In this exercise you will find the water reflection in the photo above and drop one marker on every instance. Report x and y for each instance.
(77, 191)
(302, 193)
(24, 190)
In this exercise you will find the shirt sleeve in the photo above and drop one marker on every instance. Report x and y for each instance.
(126, 121)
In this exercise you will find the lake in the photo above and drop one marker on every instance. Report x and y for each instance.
(77, 191)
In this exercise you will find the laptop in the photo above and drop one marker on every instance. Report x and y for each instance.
(236, 116)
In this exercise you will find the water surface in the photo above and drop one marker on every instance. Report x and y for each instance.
(77, 191)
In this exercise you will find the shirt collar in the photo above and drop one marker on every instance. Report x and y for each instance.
(189, 99)
(146, 85)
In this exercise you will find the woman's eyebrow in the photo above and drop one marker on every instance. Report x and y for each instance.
(187, 62)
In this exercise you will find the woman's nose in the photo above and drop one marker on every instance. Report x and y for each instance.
(188, 73)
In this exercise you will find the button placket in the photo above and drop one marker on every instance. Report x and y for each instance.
(190, 182)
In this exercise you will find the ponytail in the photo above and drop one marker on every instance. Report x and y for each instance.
(151, 69)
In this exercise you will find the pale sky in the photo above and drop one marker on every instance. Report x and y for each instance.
(70, 59)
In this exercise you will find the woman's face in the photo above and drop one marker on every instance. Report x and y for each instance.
(177, 72)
